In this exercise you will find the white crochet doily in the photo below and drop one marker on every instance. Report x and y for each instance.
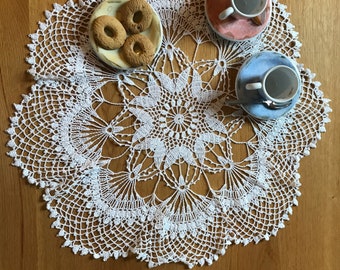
(150, 161)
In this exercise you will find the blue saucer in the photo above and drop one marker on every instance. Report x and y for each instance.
(250, 71)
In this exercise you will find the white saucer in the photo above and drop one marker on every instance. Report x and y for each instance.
(250, 71)
(113, 57)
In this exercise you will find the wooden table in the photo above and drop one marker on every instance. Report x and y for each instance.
(311, 239)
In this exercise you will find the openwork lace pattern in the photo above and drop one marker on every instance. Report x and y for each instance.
(151, 161)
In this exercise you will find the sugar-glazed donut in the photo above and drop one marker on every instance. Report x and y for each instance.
(108, 32)
(135, 15)
(138, 50)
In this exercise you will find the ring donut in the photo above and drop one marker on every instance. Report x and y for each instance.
(138, 50)
(135, 15)
(108, 32)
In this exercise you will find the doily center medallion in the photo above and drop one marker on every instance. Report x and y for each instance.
(151, 161)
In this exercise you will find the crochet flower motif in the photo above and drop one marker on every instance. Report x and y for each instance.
(177, 118)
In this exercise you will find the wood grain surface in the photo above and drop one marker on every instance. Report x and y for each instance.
(311, 239)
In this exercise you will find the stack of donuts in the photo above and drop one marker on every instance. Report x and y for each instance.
(123, 32)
